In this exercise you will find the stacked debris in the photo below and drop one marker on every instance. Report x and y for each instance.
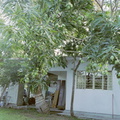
(57, 99)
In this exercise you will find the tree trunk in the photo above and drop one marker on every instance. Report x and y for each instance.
(73, 88)
(40, 103)
(28, 93)
(3, 91)
(72, 96)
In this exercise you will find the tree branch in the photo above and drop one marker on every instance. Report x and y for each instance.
(102, 3)
(115, 6)
(101, 6)
(111, 7)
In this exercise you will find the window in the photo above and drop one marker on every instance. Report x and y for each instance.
(85, 80)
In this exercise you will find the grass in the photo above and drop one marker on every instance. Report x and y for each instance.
(31, 114)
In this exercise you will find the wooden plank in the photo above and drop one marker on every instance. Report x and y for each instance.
(61, 102)
(64, 96)
(56, 95)
(41, 105)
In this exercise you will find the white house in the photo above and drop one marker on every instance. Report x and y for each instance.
(13, 95)
(95, 93)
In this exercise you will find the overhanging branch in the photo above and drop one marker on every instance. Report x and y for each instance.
(101, 6)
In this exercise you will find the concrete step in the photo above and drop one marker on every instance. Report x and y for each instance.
(92, 116)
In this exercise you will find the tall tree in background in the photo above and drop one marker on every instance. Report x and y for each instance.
(38, 27)
(29, 26)
(76, 16)
(104, 34)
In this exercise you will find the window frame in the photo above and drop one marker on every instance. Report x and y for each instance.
(81, 80)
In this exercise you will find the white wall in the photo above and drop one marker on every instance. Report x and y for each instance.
(69, 82)
(97, 101)
(13, 93)
(89, 100)
(57, 69)
(62, 75)
(93, 100)
(60, 72)
(116, 93)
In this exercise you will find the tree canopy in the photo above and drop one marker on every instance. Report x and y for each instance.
(35, 29)
(12, 71)
(43, 31)
(104, 35)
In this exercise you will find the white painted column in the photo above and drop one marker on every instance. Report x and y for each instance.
(116, 93)
(69, 82)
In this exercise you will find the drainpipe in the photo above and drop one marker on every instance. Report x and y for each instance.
(112, 105)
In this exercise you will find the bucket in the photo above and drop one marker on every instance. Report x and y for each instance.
(1, 103)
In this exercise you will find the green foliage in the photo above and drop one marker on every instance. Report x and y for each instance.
(103, 45)
(30, 27)
(75, 16)
(34, 29)
(30, 114)
(38, 27)
(12, 71)
(9, 114)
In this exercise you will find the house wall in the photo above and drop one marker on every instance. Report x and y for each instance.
(13, 93)
(92, 100)
(116, 94)
(99, 101)
(62, 75)
(69, 82)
